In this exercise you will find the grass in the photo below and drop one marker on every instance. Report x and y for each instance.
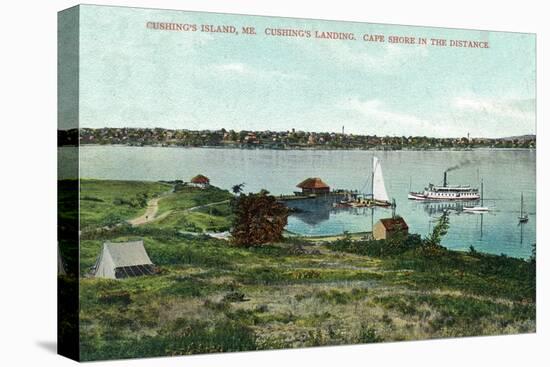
(211, 297)
(104, 203)
(185, 210)
(188, 197)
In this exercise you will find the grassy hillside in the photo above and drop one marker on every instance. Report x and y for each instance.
(211, 297)
(189, 209)
(109, 202)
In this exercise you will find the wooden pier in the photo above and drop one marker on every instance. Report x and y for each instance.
(336, 193)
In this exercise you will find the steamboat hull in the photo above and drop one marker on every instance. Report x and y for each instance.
(439, 197)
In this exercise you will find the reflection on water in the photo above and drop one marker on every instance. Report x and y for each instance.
(435, 208)
(318, 210)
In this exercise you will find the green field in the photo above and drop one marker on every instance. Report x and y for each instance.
(212, 297)
(104, 203)
(186, 210)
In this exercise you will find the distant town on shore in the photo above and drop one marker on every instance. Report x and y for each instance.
(291, 139)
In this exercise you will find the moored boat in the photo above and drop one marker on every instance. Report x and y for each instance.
(379, 193)
(523, 217)
(477, 208)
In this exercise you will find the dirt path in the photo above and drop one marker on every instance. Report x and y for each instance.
(151, 211)
(150, 214)
(206, 205)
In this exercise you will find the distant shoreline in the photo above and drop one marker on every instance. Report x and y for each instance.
(304, 148)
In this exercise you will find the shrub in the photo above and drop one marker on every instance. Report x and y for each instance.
(368, 335)
(121, 298)
(259, 219)
(234, 297)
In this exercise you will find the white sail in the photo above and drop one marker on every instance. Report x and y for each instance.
(378, 187)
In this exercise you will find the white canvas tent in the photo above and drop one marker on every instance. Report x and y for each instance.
(123, 260)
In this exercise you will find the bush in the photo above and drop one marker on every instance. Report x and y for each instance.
(259, 219)
(368, 335)
(121, 298)
(378, 248)
(234, 297)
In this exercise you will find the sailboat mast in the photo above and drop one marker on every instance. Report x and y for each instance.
(481, 192)
(521, 208)
(372, 179)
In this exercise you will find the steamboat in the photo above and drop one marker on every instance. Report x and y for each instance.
(446, 192)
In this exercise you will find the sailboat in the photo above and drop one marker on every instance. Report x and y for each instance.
(477, 208)
(379, 194)
(523, 217)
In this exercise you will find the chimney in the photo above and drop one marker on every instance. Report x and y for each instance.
(445, 179)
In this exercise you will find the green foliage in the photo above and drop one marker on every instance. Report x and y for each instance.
(378, 248)
(138, 201)
(188, 197)
(110, 202)
(368, 334)
(234, 296)
(458, 315)
(121, 298)
(259, 219)
(180, 338)
(483, 274)
(336, 297)
(433, 242)
(111, 219)
(191, 210)
(237, 189)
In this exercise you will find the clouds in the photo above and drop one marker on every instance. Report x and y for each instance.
(520, 109)
(377, 58)
(480, 116)
(384, 121)
(240, 69)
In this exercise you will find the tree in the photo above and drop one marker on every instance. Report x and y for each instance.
(237, 189)
(259, 219)
(433, 241)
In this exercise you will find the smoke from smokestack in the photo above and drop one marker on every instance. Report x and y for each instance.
(463, 163)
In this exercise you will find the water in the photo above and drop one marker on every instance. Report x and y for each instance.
(506, 173)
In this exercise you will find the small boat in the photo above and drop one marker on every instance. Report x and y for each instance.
(477, 208)
(379, 194)
(523, 217)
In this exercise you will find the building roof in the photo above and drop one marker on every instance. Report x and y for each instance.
(313, 183)
(200, 179)
(394, 224)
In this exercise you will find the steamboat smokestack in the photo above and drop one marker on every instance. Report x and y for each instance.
(445, 179)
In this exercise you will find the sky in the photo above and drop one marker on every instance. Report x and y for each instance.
(131, 76)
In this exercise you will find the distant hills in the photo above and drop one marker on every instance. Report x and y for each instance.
(520, 137)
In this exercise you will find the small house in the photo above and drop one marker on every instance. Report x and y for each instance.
(387, 228)
(200, 181)
(123, 260)
(314, 185)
